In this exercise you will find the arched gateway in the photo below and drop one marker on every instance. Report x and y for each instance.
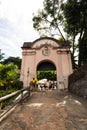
(45, 54)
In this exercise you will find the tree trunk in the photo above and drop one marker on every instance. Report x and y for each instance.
(80, 48)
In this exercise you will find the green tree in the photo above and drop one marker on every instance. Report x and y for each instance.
(1, 78)
(48, 20)
(8, 75)
(14, 60)
(75, 13)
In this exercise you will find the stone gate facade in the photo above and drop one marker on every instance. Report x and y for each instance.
(42, 50)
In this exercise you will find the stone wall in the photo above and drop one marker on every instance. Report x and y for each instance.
(78, 82)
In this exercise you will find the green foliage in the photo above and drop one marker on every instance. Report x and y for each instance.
(6, 92)
(47, 20)
(60, 39)
(17, 85)
(75, 13)
(70, 8)
(14, 60)
(8, 75)
(51, 75)
(7, 102)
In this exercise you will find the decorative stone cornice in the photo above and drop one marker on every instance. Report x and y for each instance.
(29, 52)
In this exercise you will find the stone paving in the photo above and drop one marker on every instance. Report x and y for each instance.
(51, 110)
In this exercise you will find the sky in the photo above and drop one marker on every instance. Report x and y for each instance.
(16, 26)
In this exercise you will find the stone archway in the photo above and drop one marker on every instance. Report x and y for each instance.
(45, 50)
(46, 69)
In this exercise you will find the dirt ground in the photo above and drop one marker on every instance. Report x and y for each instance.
(51, 110)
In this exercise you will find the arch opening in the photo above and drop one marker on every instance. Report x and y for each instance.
(46, 70)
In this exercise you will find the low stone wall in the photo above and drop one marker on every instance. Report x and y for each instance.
(78, 82)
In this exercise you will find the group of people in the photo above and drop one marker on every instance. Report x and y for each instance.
(47, 85)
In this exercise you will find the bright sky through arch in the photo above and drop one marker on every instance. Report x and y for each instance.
(16, 24)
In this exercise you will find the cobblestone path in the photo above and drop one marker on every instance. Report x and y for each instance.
(51, 110)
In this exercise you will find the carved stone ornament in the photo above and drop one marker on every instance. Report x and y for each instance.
(46, 51)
